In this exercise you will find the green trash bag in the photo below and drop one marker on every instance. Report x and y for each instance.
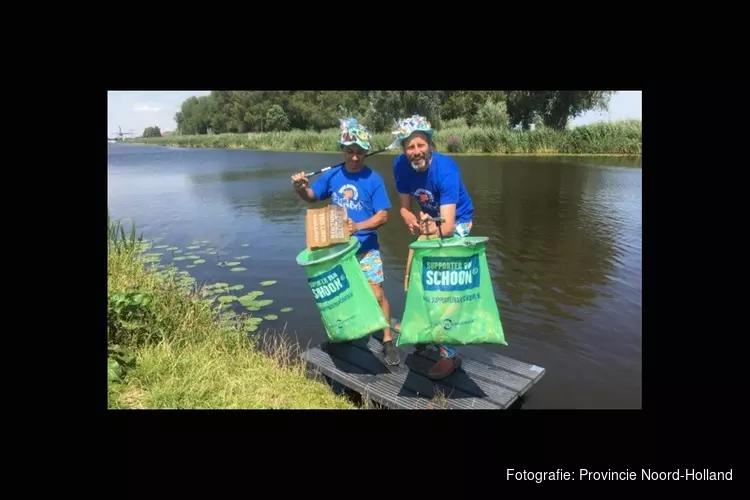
(450, 298)
(346, 302)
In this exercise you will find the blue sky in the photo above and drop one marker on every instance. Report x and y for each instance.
(134, 111)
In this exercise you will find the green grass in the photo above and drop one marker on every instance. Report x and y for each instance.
(169, 348)
(604, 138)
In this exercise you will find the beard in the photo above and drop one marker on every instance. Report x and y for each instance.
(421, 163)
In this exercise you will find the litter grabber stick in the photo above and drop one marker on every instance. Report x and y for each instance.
(393, 145)
(438, 221)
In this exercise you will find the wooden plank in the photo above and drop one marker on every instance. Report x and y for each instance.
(407, 383)
(526, 370)
(486, 380)
(460, 383)
(416, 381)
(365, 384)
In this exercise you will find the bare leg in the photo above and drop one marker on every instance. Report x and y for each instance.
(383, 301)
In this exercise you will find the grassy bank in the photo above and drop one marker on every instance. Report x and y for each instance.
(169, 348)
(605, 138)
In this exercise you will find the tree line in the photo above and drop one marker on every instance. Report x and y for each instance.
(266, 111)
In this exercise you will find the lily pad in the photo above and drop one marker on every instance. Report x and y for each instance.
(181, 257)
(233, 263)
(212, 252)
(236, 287)
(257, 304)
(242, 257)
(193, 257)
(238, 269)
(253, 323)
(267, 283)
(161, 246)
(190, 265)
(249, 298)
(270, 317)
(172, 248)
(218, 285)
(183, 273)
(287, 309)
(193, 247)
(245, 245)
(199, 261)
(227, 298)
(204, 242)
(228, 315)
(156, 254)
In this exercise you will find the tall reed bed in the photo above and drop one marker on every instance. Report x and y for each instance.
(603, 138)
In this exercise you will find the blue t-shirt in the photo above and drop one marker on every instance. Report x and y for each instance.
(441, 184)
(362, 193)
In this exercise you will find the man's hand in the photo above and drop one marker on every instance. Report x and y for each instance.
(427, 226)
(300, 182)
(352, 226)
(411, 222)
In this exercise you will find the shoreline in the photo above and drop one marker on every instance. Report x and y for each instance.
(622, 138)
(384, 153)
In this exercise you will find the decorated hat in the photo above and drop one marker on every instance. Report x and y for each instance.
(408, 126)
(353, 133)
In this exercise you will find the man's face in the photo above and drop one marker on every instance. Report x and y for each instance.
(417, 150)
(354, 156)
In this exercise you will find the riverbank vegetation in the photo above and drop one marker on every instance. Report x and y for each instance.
(617, 138)
(168, 347)
(489, 122)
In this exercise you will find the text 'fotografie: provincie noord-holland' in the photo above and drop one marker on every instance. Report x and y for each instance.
(620, 475)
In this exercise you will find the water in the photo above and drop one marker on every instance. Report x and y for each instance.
(564, 249)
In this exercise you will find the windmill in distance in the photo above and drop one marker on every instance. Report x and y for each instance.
(119, 134)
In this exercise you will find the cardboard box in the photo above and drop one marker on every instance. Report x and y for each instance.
(326, 227)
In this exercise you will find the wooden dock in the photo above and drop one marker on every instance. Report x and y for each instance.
(485, 380)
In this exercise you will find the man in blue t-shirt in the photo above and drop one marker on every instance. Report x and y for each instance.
(362, 191)
(434, 181)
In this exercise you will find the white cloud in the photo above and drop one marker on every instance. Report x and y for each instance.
(146, 107)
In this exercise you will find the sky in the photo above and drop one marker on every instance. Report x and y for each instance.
(134, 111)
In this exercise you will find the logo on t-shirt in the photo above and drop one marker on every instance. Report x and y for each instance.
(425, 198)
(347, 196)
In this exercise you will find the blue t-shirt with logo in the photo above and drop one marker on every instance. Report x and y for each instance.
(441, 184)
(362, 193)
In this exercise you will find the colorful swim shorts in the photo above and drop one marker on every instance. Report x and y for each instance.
(372, 266)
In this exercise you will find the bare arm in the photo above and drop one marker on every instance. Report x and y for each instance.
(407, 215)
(379, 219)
(300, 185)
(448, 213)
(306, 194)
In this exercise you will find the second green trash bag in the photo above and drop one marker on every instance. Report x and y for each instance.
(450, 298)
(346, 302)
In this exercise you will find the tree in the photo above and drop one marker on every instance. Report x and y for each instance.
(151, 132)
(562, 106)
(276, 119)
(492, 114)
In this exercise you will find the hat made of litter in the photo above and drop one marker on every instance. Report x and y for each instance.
(353, 133)
(407, 126)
